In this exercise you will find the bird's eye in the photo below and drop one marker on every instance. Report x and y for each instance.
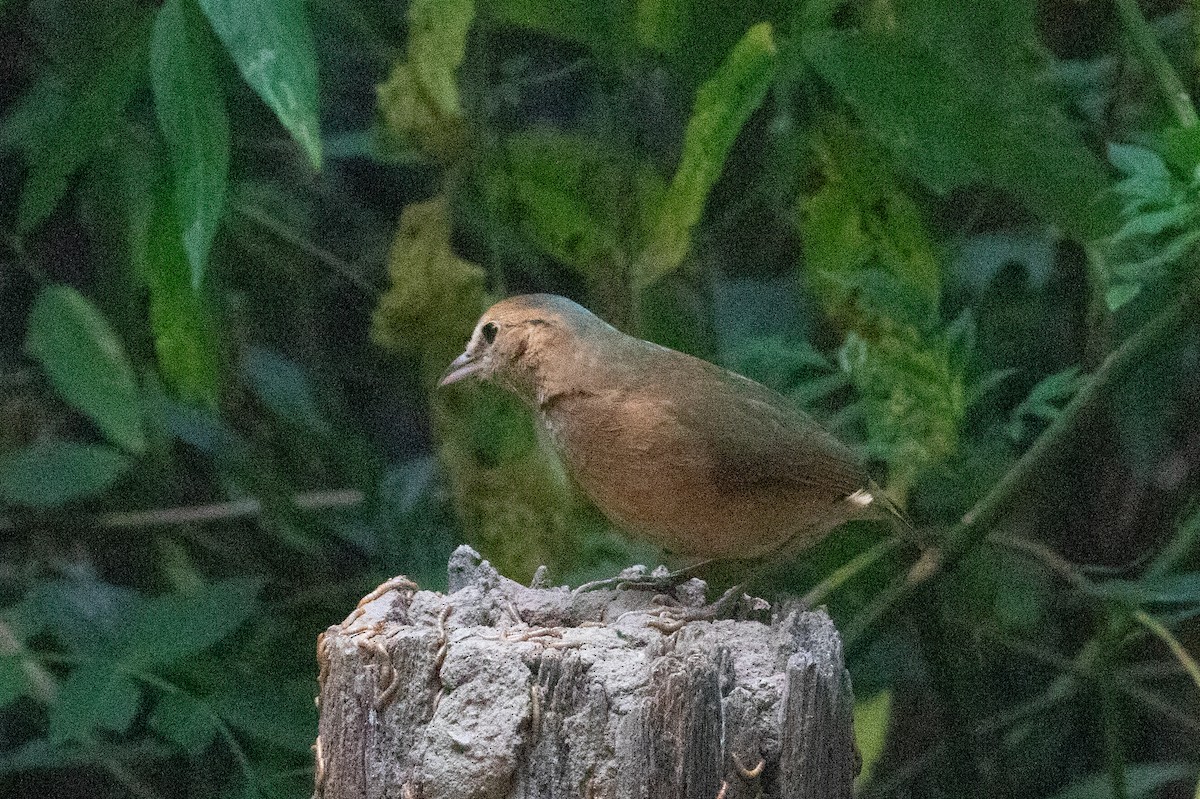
(489, 331)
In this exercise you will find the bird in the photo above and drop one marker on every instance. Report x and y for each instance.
(699, 460)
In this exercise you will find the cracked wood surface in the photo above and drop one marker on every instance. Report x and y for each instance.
(499, 691)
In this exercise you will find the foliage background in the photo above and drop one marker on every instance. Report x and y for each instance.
(240, 241)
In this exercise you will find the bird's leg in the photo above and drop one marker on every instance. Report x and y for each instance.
(672, 619)
(637, 578)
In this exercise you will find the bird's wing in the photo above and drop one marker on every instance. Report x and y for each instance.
(755, 437)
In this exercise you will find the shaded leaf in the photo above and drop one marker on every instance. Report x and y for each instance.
(191, 113)
(62, 141)
(12, 680)
(52, 473)
(183, 720)
(607, 27)
(940, 89)
(722, 107)
(1044, 400)
(1169, 589)
(272, 45)
(165, 629)
(95, 696)
(1142, 780)
(1132, 159)
(283, 387)
(86, 363)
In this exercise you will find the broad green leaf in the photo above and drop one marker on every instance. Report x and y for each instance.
(87, 112)
(940, 89)
(1120, 295)
(185, 344)
(272, 45)
(871, 719)
(191, 113)
(420, 102)
(86, 363)
(184, 720)
(52, 473)
(12, 680)
(283, 387)
(165, 629)
(722, 107)
(95, 696)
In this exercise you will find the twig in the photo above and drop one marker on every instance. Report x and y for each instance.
(215, 511)
(282, 231)
(1151, 55)
(975, 525)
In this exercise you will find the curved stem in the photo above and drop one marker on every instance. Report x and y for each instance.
(1147, 49)
(977, 522)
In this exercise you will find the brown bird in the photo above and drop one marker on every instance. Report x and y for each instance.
(698, 459)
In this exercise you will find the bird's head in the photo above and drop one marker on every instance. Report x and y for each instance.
(520, 341)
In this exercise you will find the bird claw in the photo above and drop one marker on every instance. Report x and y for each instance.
(671, 619)
(637, 578)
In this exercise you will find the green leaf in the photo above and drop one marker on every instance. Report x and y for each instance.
(12, 680)
(184, 720)
(607, 27)
(61, 142)
(419, 102)
(52, 473)
(1130, 159)
(1142, 780)
(574, 196)
(280, 713)
(722, 107)
(163, 630)
(871, 718)
(283, 387)
(1120, 295)
(1169, 589)
(95, 696)
(191, 113)
(86, 363)
(946, 88)
(185, 342)
(272, 45)
(1044, 400)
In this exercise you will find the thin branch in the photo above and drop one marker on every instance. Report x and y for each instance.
(282, 231)
(1148, 51)
(216, 511)
(849, 571)
(975, 525)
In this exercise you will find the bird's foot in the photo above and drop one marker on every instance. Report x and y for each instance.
(638, 578)
(734, 603)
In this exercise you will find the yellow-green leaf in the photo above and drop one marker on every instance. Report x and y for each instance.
(722, 107)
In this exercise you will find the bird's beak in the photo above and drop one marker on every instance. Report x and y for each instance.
(464, 365)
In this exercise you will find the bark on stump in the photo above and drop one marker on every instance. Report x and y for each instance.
(498, 691)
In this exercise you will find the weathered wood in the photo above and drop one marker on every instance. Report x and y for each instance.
(498, 691)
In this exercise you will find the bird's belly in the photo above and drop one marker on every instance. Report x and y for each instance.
(672, 500)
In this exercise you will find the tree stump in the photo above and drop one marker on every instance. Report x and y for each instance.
(498, 691)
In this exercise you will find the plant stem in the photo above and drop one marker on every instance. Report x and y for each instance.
(975, 525)
(1148, 51)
